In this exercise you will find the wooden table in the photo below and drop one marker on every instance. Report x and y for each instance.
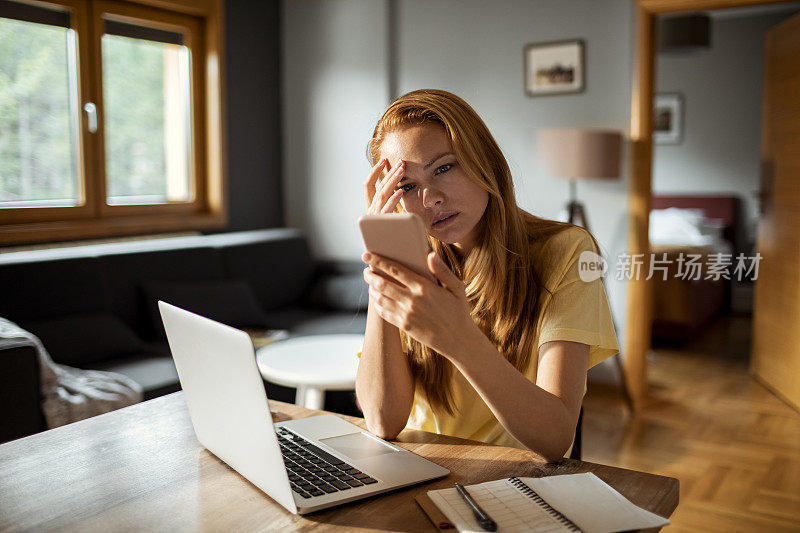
(141, 468)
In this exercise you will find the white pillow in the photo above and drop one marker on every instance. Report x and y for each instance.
(675, 226)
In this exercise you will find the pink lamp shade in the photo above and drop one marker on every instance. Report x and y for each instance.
(580, 153)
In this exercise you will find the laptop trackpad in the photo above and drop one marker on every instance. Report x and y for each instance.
(357, 446)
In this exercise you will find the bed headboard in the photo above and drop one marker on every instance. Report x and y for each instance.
(726, 208)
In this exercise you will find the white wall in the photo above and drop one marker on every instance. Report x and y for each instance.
(472, 48)
(722, 91)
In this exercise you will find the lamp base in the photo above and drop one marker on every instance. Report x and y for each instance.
(576, 214)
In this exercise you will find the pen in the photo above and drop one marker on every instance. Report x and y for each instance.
(483, 519)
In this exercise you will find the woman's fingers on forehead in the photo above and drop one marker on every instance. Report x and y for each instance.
(392, 202)
(387, 186)
(393, 178)
(396, 164)
(372, 179)
(391, 169)
(389, 178)
(399, 170)
(375, 172)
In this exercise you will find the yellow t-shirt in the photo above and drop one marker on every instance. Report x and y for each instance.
(575, 311)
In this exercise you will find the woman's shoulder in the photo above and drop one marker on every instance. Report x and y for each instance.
(565, 241)
(556, 253)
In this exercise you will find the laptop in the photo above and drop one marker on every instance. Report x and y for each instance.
(306, 464)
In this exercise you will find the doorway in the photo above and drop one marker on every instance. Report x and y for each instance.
(647, 162)
(706, 170)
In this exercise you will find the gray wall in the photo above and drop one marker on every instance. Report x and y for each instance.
(722, 91)
(335, 87)
(337, 69)
(252, 55)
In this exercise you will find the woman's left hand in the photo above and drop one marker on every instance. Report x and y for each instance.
(437, 316)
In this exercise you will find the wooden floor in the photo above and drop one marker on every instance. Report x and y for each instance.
(734, 446)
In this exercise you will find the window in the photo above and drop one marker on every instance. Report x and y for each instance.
(38, 113)
(147, 98)
(109, 118)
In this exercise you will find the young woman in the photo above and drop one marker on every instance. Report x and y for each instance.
(497, 350)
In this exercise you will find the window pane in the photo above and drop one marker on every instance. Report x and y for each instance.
(146, 96)
(38, 116)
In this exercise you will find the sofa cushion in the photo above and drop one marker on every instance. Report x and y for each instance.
(41, 290)
(299, 321)
(123, 274)
(280, 270)
(78, 340)
(229, 301)
(340, 292)
(156, 374)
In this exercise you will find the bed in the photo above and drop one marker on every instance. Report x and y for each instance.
(685, 226)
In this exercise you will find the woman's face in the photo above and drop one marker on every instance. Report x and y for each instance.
(435, 185)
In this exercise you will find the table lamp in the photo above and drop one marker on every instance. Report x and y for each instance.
(575, 154)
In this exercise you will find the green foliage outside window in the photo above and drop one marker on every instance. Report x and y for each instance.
(37, 155)
(133, 93)
(38, 152)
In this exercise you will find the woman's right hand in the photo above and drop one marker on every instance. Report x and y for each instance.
(383, 198)
(384, 383)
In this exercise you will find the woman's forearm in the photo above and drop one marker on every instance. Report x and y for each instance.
(384, 384)
(539, 419)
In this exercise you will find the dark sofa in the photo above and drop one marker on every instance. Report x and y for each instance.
(94, 306)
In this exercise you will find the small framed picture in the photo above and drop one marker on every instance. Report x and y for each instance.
(554, 68)
(668, 119)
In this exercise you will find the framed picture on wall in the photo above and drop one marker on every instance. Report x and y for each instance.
(554, 68)
(668, 119)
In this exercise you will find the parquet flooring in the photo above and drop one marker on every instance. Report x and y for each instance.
(734, 446)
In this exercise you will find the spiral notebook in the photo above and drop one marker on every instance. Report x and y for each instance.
(572, 502)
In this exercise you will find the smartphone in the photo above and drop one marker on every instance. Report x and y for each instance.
(399, 237)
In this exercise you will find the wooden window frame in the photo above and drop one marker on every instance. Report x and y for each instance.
(200, 21)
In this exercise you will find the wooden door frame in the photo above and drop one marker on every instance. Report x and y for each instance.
(638, 320)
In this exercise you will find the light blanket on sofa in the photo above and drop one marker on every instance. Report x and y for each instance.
(71, 394)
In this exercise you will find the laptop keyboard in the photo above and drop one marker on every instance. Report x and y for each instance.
(315, 472)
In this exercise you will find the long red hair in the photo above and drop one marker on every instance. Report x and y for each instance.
(502, 278)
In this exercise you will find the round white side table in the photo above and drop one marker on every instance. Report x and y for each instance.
(312, 364)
